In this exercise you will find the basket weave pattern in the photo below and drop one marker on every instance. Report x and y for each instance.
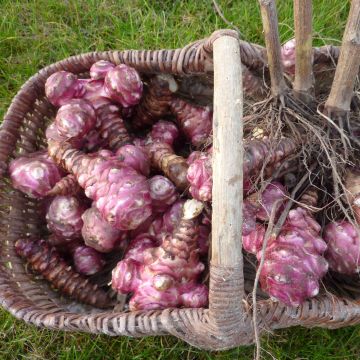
(227, 321)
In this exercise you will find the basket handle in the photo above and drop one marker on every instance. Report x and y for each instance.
(227, 193)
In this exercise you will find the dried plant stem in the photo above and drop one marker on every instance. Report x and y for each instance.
(304, 80)
(273, 46)
(338, 103)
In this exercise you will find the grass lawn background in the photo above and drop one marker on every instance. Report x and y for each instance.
(36, 33)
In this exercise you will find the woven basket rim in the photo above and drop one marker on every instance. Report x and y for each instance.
(196, 326)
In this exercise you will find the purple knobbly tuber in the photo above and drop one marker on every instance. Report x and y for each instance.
(172, 216)
(64, 217)
(138, 245)
(110, 127)
(194, 295)
(120, 193)
(343, 253)
(164, 224)
(75, 119)
(98, 233)
(99, 69)
(164, 131)
(294, 262)
(256, 152)
(252, 242)
(123, 85)
(34, 174)
(288, 56)
(249, 217)
(63, 86)
(194, 121)
(194, 155)
(65, 186)
(163, 157)
(87, 261)
(199, 175)
(52, 133)
(274, 194)
(163, 193)
(166, 276)
(134, 157)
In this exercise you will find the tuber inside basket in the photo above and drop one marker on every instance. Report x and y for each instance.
(155, 131)
(109, 193)
(160, 136)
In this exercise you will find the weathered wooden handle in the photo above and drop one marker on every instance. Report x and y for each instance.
(227, 190)
(348, 65)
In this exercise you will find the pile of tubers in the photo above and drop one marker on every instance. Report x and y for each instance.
(112, 182)
(128, 171)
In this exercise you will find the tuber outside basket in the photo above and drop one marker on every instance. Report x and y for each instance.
(228, 320)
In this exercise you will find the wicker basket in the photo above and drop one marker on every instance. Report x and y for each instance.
(227, 322)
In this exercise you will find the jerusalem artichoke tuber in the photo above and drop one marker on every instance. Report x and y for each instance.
(121, 194)
(194, 121)
(98, 233)
(64, 217)
(167, 275)
(34, 174)
(156, 101)
(45, 260)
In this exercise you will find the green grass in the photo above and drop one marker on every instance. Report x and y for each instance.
(36, 33)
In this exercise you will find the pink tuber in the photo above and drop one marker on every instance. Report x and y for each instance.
(98, 233)
(120, 193)
(172, 216)
(123, 85)
(93, 141)
(43, 259)
(249, 217)
(163, 131)
(52, 133)
(64, 217)
(194, 121)
(252, 241)
(63, 86)
(134, 157)
(163, 224)
(163, 193)
(199, 176)
(75, 119)
(34, 174)
(138, 245)
(110, 125)
(294, 262)
(65, 186)
(274, 194)
(288, 56)
(343, 253)
(87, 261)
(167, 275)
(194, 155)
(99, 69)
